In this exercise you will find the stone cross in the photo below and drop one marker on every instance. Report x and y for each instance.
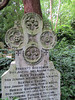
(31, 76)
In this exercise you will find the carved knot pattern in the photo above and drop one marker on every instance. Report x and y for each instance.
(14, 38)
(32, 54)
(47, 39)
(31, 23)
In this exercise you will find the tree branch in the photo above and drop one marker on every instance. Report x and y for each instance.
(58, 14)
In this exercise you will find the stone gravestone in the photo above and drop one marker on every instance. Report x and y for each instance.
(31, 76)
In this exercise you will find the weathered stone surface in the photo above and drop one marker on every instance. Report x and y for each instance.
(1, 45)
(28, 82)
(31, 76)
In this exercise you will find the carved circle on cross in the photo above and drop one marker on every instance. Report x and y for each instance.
(32, 54)
(48, 39)
(14, 38)
(32, 22)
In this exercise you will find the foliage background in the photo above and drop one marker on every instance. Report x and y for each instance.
(63, 55)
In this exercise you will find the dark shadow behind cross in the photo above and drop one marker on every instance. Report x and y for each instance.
(3, 3)
(29, 6)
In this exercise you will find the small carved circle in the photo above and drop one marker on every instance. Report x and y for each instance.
(32, 54)
(47, 39)
(14, 38)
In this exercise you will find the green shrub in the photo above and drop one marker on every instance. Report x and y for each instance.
(13, 99)
(65, 31)
(64, 61)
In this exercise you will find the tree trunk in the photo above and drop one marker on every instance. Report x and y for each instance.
(51, 10)
(58, 14)
(51, 1)
(32, 6)
(3, 4)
